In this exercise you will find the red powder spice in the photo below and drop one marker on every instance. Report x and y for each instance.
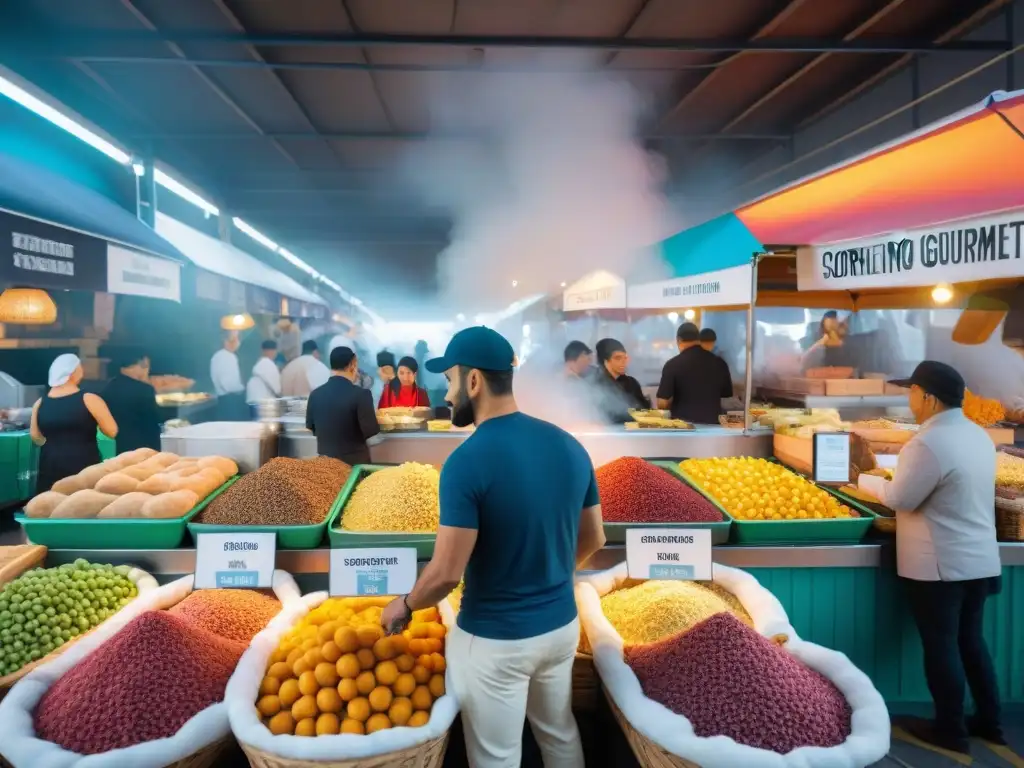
(143, 684)
(730, 681)
(237, 614)
(635, 491)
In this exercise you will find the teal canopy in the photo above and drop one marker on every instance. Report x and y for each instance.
(720, 243)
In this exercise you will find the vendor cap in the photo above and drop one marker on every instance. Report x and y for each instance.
(476, 347)
(62, 368)
(938, 379)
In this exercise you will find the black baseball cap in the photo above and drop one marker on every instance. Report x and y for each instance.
(477, 347)
(688, 332)
(708, 334)
(942, 381)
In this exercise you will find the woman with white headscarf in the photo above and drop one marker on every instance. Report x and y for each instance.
(64, 423)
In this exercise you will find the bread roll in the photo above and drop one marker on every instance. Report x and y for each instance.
(207, 481)
(44, 504)
(140, 472)
(69, 485)
(137, 456)
(129, 505)
(227, 467)
(92, 475)
(188, 471)
(161, 482)
(117, 483)
(164, 458)
(82, 504)
(170, 505)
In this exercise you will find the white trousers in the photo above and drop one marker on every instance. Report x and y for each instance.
(499, 683)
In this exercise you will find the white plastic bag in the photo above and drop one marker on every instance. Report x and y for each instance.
(870, 730)
(18, 742)
(243, 690)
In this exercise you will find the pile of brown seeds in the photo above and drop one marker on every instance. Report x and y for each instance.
(281, 492)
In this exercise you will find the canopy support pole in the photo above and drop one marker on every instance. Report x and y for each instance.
(749, 376)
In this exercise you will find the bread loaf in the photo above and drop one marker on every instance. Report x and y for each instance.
(227, 467)
(169, 505)
(93, 474)
(161, 482)
(129, 505)
(44, 504)
(143, 472)
(69, 485)
(82, 504)
(164, 459)
(117, 483)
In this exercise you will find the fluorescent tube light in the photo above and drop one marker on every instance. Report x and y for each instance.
(184, 192)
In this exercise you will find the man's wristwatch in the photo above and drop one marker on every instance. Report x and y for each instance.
(405, 602)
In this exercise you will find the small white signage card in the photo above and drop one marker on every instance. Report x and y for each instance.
(235, 560)
(372, 571)
(669, 553)
(831, 457)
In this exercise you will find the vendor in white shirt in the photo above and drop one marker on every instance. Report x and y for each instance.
(947, 554)
(305, 373)
(265, 382)
(226, 376)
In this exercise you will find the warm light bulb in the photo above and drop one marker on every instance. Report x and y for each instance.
(563, 284)
(239, 319)
(689, 314)
(942, 293)
(515, 283)
(672, 316)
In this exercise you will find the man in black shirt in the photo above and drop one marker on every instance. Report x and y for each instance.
(694, 382)
(578, 360)
(132, 402)
(708, 339)
(340, 413)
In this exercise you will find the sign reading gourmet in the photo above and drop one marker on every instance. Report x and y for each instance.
(41, 255)
(975, 249)
(720, 288)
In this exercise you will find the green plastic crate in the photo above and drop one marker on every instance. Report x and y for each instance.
(107, 446)
(18, 458)
(615, 533)
(111, 533)
(288, 536)
(828, 531)
(423, 543)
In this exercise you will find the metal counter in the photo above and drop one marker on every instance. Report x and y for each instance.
(176, 562)
(602, 445)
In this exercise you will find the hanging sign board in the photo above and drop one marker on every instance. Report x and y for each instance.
(599, 290)
(720, 288)
(372, 571)
(235, 560)
(669, 553)
(831, 457)
(39, 255)
(135, 274)
(986, 248)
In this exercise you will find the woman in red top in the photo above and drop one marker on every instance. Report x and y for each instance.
(402, 392)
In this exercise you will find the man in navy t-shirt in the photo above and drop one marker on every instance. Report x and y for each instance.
(519, 512)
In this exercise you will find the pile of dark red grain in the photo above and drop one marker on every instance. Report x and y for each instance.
(635, 491)
(154, 675)
(728, 680)
(283, 491)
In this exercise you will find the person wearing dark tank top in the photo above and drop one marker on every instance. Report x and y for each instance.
(64, 424)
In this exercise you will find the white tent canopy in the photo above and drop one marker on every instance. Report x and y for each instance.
(598, 290)
(224, 259)
(719, 288)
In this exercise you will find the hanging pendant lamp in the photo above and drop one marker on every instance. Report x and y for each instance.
(239, 322)
(27, 306)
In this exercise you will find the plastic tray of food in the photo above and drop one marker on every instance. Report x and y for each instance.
(114, 532)
(422, 542)
(615, 533)
(846, 530)
(288, 536)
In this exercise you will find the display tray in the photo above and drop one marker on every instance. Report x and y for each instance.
(288, 536)
(615, 533)
(113, 532)
(826, 531)
(422, 542)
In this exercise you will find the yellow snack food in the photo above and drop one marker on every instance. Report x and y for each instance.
(399, 499)
(983, 411)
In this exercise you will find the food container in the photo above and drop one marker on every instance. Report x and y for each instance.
(846, 530)
(615, 533)
(288, 536)
(112, 532)
(422, 542)
(249, 444)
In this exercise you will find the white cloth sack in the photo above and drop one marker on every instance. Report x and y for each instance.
(18, 742)
(869, 737)
(243, 690)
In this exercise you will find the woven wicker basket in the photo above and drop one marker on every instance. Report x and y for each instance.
(647, 753)
(1009, 519)
(428, 755)
(585, 685)
(209, 756)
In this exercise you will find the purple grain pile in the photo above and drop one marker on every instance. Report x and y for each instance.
(635, 491)
(728, 680)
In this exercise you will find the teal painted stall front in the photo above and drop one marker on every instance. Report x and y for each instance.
(862, 613)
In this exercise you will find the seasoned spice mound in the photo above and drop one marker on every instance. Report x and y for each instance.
(635, 491)
(237, 614)
(730, 681)
(143, 684)
(281, 492)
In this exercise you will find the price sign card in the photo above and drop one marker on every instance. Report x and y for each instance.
(235, 560)
(372, 571)
(831, 457)
(669, 553)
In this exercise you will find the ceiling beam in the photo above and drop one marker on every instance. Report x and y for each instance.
(419, 136)
(53, 38)
(759, 37)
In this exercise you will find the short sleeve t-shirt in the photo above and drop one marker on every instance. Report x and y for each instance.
(696, 380)
(522, 484)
